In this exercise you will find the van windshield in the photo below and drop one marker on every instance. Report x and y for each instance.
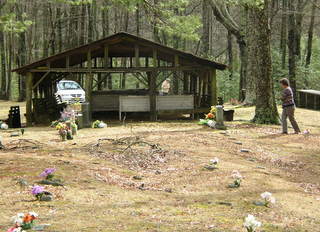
(69, 85)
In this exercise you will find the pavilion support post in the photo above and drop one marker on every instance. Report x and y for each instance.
(155, 58)
(214, 89)
(68, 62)
(200, 84)
(89, 78)
(106, 62)
(29, 85)
(176, 76)
(185, 83)
(153, 96)
(205, 84)
(136, 56)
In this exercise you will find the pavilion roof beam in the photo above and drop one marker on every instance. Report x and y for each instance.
(118, 70)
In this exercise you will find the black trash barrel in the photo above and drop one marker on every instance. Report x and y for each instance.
(14, 117)
(228, 115)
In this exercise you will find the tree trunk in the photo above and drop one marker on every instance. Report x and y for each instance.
(284, 29)
(261, 65)
(243, 69)
(292, 45)
(3, 93)
(310, 34)
(206, 28)
(59, 29)
(230, 55)
(138, 20)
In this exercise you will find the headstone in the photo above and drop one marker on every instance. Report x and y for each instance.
(219, 117)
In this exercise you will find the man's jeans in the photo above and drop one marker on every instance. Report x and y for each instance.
(288, 112)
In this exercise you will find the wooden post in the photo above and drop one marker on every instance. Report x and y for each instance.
(176, 76)
(89, 78)
(152, 94)
(306, 100)
(205, 84)
(106, 62)
(214, 94)
(185, 83)
(155, 58)
(29, 85)
(68, 62)
(137, 56)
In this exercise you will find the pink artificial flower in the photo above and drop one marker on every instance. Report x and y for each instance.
(11, 229)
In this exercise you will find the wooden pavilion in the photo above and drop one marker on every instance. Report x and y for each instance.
(309, 99)
(194, 78)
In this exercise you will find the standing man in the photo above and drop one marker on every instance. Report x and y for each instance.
(165, 87)
(288, 107)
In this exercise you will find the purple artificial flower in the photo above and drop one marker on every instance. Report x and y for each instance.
(47, 172)
(37, 190)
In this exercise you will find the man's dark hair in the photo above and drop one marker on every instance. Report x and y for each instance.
(284, 81)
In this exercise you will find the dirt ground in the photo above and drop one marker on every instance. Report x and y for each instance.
(110, 187)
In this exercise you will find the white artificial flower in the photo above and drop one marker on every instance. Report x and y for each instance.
(268, 197)
(251, 223)
(18, 219)
(19, 229)
(236, 174)
(211, 123)
(272, 200)
(33, 214)
(214, 161)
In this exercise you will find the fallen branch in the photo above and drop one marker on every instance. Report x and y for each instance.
(18, 144)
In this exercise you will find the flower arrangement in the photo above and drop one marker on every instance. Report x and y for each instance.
(212, 164)
(48, 173)
(212, 114)
(54, 124)
(37, 191)
(251, 224)
(209, 118)
(23, 222)
(3, 126)
(268, 198)
(74, 128)
(65, 131)
(99, 124)
(62, 130)
(214, 161)
(237, 179)
(40, 194)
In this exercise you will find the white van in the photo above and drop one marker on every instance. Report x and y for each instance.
(69, 92)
